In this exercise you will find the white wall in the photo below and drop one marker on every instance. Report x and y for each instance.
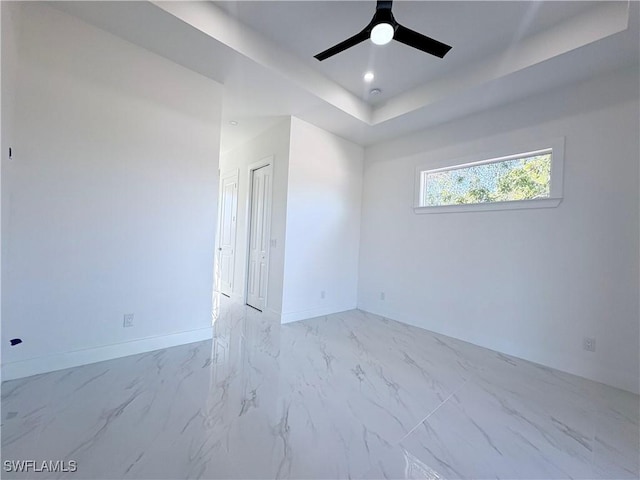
(110, 204)
(315, 224)
(323, 223)
(531, 283)
(274, 142)
(8, 14)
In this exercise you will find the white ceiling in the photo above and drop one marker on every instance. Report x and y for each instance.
(474, 29)
(263, 54)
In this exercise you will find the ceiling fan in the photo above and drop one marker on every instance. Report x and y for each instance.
(382, 29)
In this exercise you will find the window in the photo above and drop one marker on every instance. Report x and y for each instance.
(524, 177)
(531, 179)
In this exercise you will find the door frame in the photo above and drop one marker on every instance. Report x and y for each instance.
(236, 174)
(264, 162)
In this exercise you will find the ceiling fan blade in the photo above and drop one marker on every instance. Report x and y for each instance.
(342, 46)
(421, 42)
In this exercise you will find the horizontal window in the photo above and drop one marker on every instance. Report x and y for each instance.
(522, 180)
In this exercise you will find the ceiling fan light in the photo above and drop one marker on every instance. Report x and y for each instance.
(382, 33)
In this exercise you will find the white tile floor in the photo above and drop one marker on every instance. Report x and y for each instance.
(347, 395)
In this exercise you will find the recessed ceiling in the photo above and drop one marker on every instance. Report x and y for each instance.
(262, 52)
(474, 29)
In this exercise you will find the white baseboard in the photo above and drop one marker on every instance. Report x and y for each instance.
(60, 361)
(314, 312)
(272, 312)
(597, 373)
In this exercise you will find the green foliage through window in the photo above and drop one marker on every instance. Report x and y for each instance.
(522, 178)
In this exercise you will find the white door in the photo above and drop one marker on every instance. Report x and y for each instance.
(260, 222)
(227, 231)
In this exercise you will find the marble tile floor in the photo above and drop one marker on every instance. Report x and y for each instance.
(349, 395)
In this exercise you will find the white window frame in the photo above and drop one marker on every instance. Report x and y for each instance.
(519, 150)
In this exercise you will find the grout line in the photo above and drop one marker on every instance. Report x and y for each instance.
(434, 410)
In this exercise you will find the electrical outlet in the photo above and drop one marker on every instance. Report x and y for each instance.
(128, 320)
(589, 344)
(323, 294)
(382, 296)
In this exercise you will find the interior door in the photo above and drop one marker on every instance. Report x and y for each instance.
(227, 231)
(260, 222)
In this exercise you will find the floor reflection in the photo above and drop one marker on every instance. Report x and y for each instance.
(350, 395)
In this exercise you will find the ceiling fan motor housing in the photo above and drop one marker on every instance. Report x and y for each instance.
(382, 16)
